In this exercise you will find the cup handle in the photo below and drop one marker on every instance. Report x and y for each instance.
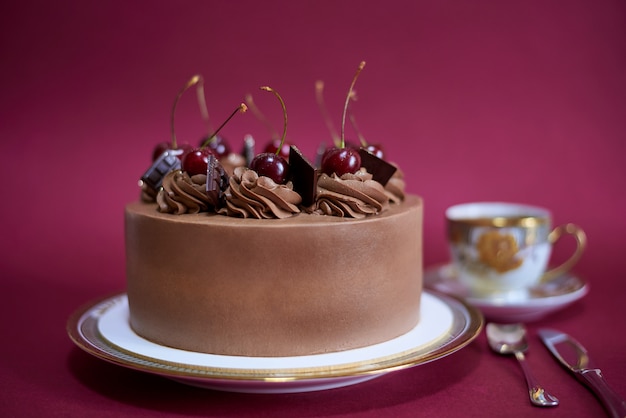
(581, 242)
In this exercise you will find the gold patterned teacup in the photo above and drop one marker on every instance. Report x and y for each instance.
(503, 249)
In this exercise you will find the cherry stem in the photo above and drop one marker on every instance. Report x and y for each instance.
(196, 79)
(203, 107)
(345, 106)
(241, 108)
(353, 123)
(282, 103)
(260, 116)
(319, 95)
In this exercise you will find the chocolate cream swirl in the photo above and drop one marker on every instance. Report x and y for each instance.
(182, 194)
(351, 195)
(254, 196)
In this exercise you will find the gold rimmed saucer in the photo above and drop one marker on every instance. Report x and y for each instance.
(538, 302)
(101, 328)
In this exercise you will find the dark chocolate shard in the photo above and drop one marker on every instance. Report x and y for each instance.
(168, 161)
(303, 176)
(216, 182)
(380, 169)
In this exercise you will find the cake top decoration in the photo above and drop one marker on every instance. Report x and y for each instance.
(346, 180)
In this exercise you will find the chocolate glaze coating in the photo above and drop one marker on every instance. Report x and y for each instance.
(282, 287)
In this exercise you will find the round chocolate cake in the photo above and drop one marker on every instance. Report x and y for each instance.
(301, 285)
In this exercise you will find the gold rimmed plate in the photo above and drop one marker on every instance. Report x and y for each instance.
(102, 329)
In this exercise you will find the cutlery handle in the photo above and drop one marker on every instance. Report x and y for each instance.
(536, 392)
(615, 405)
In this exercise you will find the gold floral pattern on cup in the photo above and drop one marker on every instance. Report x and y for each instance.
(498, 251)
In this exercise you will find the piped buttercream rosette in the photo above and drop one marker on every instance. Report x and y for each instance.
(182, 193)
(351, 195)
(252, 196)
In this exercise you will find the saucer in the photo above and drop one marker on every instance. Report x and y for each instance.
(102, 329)
(540, 301)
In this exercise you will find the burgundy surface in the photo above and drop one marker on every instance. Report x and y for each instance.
(481, 100)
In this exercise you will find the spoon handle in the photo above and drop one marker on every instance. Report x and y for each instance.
(538, 396)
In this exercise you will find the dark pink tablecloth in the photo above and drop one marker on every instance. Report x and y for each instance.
(43, 373)
(474, 100)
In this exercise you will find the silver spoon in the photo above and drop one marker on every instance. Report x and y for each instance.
(511, 339)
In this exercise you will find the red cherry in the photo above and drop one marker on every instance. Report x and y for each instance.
(271, 165)
(196, 161)
(276, 145)
(340, 161)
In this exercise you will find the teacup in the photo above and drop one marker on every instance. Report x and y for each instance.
(503, 249)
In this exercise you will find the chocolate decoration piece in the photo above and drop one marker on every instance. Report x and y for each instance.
(303, 175)
(216, 181)
(168, 161)
(380, 169)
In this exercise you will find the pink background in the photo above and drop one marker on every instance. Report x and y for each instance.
(476, 100)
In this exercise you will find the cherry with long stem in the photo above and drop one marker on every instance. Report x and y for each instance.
(342, 160)
(273, 165)
(274, 144)
(161, 147)
(196, 160)
(282, 104)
